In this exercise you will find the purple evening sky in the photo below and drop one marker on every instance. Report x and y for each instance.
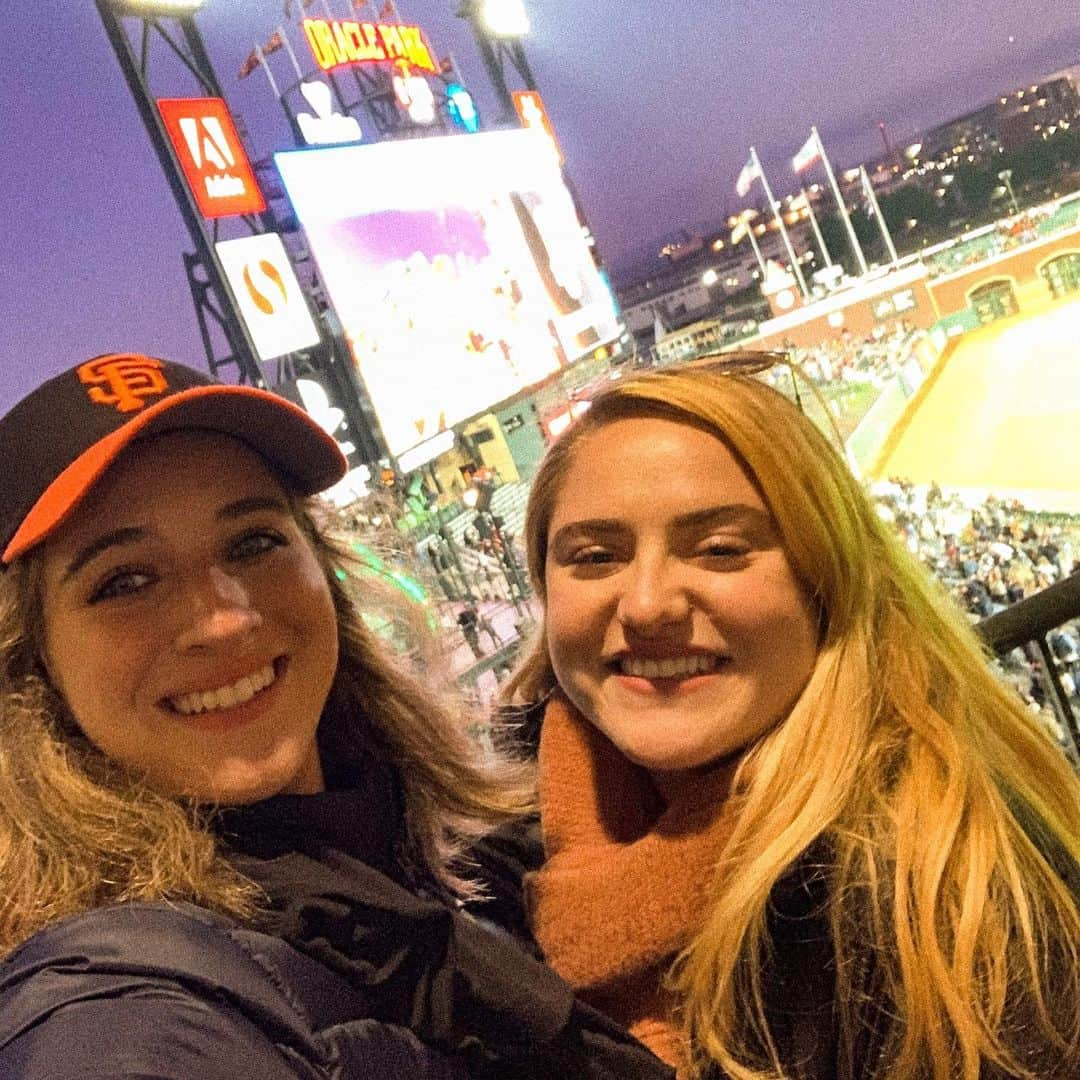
(655, 104)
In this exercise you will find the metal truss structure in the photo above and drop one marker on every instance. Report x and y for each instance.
(143, 41)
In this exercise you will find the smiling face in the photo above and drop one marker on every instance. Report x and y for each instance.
(675, 622)
(189, 625)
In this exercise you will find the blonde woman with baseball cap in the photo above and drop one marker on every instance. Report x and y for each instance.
(229, 819)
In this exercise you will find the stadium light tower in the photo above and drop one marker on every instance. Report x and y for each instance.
(499, 26)
(176, 9)
(141, 32)
(505, 18)
(172, 21)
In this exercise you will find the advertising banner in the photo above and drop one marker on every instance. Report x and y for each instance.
(533, 115)
(211, 156)
(268, 294)
(457, 266)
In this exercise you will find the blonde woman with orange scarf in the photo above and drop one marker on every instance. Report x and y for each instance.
(793, 826)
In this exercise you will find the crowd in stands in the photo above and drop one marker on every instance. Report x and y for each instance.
(874, 358)
(990, 556)
(1005, 235)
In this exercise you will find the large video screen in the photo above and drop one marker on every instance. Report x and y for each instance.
(457, 266)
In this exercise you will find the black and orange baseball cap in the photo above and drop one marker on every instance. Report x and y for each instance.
(58, 441)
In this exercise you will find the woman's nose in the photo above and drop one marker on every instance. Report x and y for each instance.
(219, 611)
(653, 597)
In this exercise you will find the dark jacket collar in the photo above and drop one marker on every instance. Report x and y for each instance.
(361, 815)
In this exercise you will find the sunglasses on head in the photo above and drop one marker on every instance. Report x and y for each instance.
(750, 363)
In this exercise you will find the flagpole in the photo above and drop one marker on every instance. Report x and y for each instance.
(269, 73)
(814, 225)
(855, 246)
(795, 268)
(868, 188)
(757, 251)
(292, 56)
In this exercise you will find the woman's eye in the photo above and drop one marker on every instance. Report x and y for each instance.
(592, 557)
(723, 549)
(121, 582)
(256, 542)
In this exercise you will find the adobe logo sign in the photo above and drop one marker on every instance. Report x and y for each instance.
(211, 156)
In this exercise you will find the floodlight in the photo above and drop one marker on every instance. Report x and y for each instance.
(504, 18)
(178, 9)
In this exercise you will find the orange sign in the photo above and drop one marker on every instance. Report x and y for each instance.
(533, 115)
(335, 42)
(211, 156)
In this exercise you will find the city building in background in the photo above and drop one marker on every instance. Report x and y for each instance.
(934, 201)
(1008, 122)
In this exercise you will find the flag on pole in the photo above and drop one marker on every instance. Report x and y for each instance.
(751, 171)
(810, 152)
(276, 42)
(250, 64)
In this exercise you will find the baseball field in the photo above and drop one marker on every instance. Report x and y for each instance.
(1003, 414)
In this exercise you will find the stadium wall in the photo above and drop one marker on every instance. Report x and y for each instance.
(1021, 265)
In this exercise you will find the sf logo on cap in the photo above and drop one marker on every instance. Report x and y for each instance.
(123, 381)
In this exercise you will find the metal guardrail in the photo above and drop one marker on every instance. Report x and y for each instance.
(1031, 620)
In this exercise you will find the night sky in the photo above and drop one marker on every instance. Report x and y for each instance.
(655, 105)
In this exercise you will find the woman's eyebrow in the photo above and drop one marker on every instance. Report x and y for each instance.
(729, 513)
(591, 525)
(252, 505)
(127, 535)
(130, 534)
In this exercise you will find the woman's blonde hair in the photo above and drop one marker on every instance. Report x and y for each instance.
(903, 759)
(78, 832)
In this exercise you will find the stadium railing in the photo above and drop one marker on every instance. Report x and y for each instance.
(1032, 620)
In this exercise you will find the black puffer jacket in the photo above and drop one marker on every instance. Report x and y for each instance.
(152, 992)
(350, 975)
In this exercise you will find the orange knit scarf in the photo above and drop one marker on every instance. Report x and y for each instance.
(627, 873)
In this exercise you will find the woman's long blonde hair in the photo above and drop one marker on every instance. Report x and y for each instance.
(78, 832)
(902, 758)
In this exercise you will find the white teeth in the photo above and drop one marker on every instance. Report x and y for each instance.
(675, 667)
(224, 697)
